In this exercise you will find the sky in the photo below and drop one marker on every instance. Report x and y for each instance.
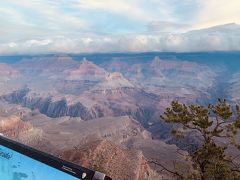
(77, 26)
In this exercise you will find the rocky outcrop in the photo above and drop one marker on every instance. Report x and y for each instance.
(233, 89)
(8, 72)
(6, 69)
(114, 81)
(46, 106)
(59, 108)
(14, 127)
(87, 71)
(104, 156)
(39, 65)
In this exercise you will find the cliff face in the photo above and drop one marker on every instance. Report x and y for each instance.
(46, 106)
(104, 156)
(114, 145)
(99, 115)
(12, 126)
(87, 71)
(40, 65)
(108, 102)
(233, 89)
(7, 70)
(58, 86)
(15, 128)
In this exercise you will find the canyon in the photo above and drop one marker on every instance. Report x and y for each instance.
(103, 111)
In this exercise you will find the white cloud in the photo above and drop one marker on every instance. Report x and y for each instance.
(12, 45)
(132, 9)
(220, 38)
(215, 12)
(166, 26)
(43, 26)
(35, 42)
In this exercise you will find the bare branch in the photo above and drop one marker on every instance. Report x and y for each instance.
(168, 170)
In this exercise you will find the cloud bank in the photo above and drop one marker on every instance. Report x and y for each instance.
(76, 26)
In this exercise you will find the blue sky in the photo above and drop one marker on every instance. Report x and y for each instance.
(42, 26)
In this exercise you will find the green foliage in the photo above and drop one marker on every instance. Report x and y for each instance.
(210, 160)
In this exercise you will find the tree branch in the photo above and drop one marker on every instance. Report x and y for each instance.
(166, 169)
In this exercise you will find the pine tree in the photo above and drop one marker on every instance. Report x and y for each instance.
(210, 160)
